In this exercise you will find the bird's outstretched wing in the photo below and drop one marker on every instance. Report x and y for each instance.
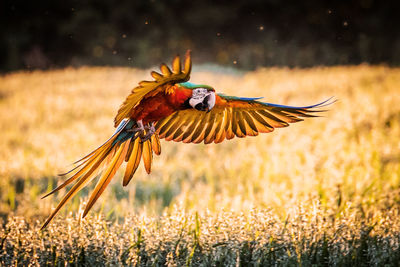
(232, 116)
(149, 88)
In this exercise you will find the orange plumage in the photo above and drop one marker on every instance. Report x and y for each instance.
(161, 105)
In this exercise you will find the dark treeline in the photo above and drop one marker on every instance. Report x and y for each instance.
(48, 33)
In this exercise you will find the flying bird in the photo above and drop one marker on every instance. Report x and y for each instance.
(172, 108)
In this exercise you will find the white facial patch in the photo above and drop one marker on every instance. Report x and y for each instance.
(202, 96)
(199, 93)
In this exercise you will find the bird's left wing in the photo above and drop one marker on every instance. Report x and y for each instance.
(150, 88)
(230, 117)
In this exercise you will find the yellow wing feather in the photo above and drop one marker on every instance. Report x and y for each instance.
(156, 145)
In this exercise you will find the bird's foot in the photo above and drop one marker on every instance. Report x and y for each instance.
(140, 128)
(145, 131)
(150, 131)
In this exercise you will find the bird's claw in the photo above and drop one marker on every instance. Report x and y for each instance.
(145, 132)
(140, 129)
(145, 138)
(149, 134)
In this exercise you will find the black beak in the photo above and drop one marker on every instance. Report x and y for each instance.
(205, 103)
(201, 107)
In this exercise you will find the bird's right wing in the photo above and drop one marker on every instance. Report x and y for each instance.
(231, 116)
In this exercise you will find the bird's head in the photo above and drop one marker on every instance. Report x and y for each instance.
(202, 99)
(203, 96)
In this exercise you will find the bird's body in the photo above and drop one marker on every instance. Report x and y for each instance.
(172, 108)
(162, 104)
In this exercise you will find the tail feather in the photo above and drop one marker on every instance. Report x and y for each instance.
(119, 129)
(133, 162)
(147, 155)
(107, 176)
(91, 165)
(97, 151)
(130, 148)
(82, 182)
(106, 159)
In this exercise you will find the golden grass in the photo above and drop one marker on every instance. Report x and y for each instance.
(341, 171)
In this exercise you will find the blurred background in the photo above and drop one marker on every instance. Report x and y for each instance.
(244, 34)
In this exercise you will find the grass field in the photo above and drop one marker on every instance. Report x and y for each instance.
(325, 191)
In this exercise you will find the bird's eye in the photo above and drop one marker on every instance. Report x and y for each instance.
(199, 93)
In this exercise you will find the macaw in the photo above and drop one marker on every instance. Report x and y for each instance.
(172, 108)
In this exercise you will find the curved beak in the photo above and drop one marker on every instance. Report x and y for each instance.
(210, 101)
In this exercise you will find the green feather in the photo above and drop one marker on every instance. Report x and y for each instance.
(192, 86)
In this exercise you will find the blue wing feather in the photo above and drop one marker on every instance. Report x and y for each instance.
(327, 102)
(239, 98)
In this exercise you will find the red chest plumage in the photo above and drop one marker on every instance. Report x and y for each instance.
(161, 105)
